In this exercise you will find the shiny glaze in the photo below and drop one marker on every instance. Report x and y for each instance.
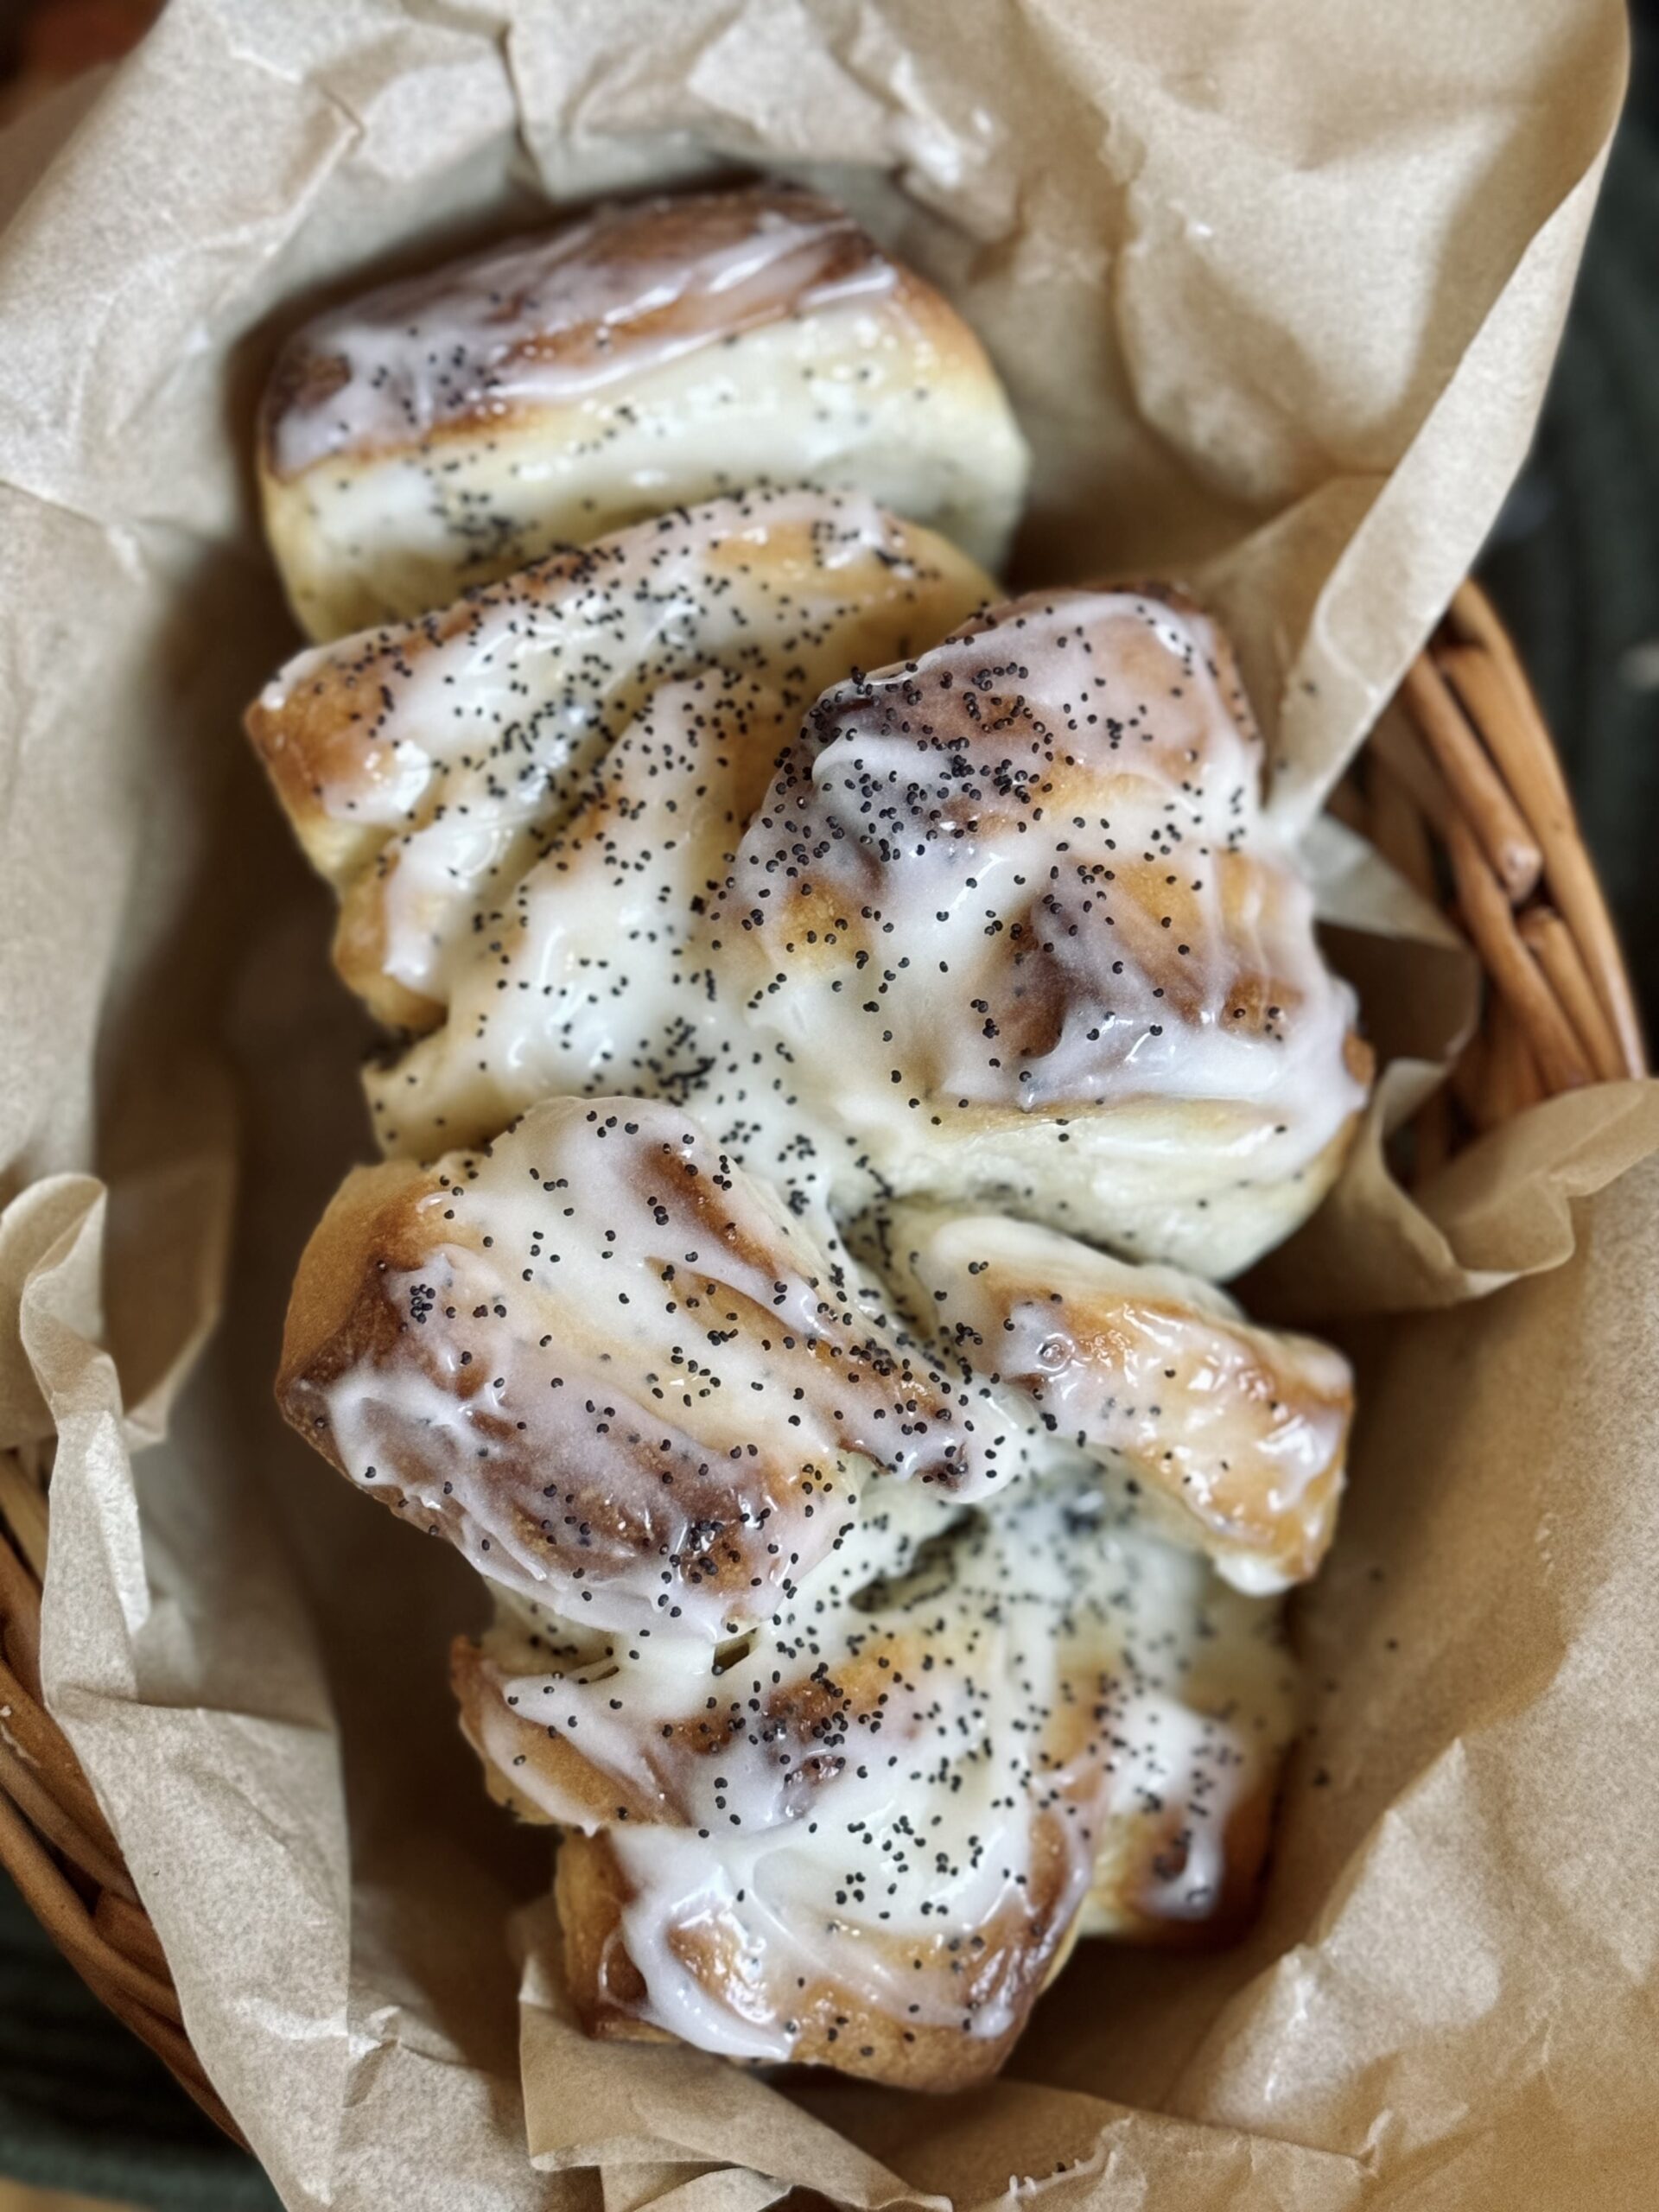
(1234, 1435)
(601, 298)
(898, 1791)
(614, 1371)
(459, 745)
(1016, 912)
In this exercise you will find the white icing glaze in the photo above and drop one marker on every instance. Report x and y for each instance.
(586, 979)
(1043, 1670)
(477, 729)
(1234, 1434)
(640, 360)
(605, 298)
(615, 1372)
(1020, 894)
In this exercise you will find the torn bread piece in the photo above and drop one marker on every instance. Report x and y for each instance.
(450, 429)
(1233, 1437)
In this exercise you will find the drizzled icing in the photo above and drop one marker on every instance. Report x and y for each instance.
(600, 300)
(892, 1803)
(823, 1624)
(1020, 894)
(615, 1372)
(1234, 1434)
(588, 977)
(458, 746)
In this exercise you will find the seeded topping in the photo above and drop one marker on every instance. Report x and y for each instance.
(615, 1373)
(446, 431)
(883, 1811)
(1017, 912)
(1231, 1436)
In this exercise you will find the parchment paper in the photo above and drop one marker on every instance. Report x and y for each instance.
(1276, 288)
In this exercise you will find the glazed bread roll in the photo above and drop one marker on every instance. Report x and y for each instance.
(866, 1837)
(448, 429)
(1016, 915)
(1232, 1437)
(612, 1370)
(884, 1575)
(426, 766)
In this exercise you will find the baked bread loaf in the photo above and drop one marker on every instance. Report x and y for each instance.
(448, 429)
(426, 766)
(1016, 914)
(885, 1576)
(1232, 1436)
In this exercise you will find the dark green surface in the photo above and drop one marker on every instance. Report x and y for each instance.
(84, 2106)
(1574, 565)
(1574, 562)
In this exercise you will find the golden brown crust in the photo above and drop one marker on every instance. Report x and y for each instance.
(304, 379)
(1130, 1900)
(536, 321)
(325, 731)
(546, 1769)
(1234, 1436)
(529, 1765)
(336, 1315)
(1006, 1964)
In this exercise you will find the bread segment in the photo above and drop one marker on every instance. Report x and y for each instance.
(612, 1371)
(447, 431)
(1232, 1437)
(867, 1838)
(1015, 911)
(426, 765)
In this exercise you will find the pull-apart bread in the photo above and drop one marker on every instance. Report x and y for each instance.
(841, 1025)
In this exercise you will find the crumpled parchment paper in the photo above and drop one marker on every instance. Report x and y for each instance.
(1276, 288)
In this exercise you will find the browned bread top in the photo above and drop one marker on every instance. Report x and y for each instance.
(632, 359)
(1019, 907)
(592, 302)
(862, 1836)
(612, 1370)
(1234, 1436)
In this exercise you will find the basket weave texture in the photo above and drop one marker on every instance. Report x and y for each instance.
(1459, 788)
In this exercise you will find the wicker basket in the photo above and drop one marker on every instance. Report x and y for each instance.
(1460, 787)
